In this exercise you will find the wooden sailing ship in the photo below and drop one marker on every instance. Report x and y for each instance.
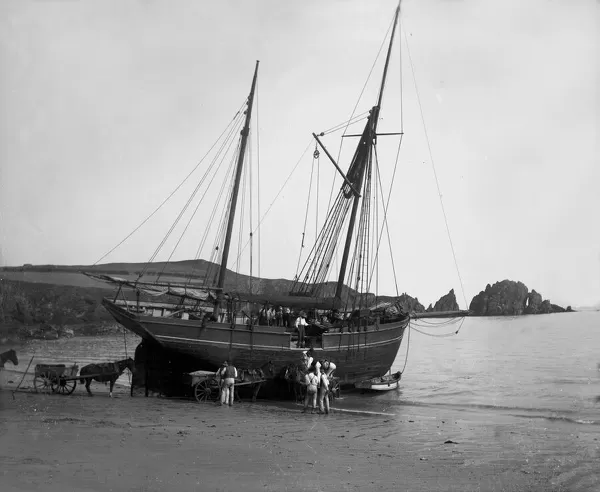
(207, 326)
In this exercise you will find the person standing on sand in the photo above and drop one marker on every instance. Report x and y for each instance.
(312, 382)
(228, 373)
(323, 395)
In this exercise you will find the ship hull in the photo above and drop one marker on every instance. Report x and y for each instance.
(358, 355)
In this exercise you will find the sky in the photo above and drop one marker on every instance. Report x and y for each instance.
(107, 106)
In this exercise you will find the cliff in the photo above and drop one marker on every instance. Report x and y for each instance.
(48, 311)
(510, 298)
(445, 303)
(411, 305)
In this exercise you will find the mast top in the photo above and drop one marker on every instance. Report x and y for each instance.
(389, 52)
(234, 195)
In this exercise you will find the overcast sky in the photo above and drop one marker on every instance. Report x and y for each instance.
(106, 106)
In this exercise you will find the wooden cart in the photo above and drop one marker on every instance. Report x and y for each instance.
(56, 378)
(207, 387)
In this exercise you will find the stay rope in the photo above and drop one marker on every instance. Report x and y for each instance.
(211, 218)
(316, 155)
(257, 179)
(435, 173)
(280, 191)
(229, 141)
(190, 220)
(407, 350)
(176, 189)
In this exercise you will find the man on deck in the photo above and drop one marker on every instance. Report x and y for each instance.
(301, 326)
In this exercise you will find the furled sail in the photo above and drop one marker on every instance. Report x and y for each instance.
(160, 288)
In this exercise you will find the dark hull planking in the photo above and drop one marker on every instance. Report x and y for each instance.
(358, 355)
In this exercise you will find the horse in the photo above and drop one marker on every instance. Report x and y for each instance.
(254, 375)
(9, 355)
(294, 375)
(105, 372)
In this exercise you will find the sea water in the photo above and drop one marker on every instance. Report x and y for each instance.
(542, 366)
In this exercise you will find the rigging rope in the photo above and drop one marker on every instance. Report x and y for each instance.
(407, 349)
(385, 209)
(245, 173)
(179, 217)
(436, 335)
(257, 177)
(435, 173)
(174, 191)
(188, 223)
(211, 219)
(345, 124)
(228, 141)
(222, 233)
(280, 190)
(383, 43)
(250, 206)
(312, 171)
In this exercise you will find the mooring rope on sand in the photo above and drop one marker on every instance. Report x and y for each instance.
(24, 374)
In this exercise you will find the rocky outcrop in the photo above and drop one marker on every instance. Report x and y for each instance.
(510, 298)
(410, 304)
(445, 303)
(505, 298)
(534, 302)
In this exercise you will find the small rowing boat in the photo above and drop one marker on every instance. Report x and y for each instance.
(383, 383)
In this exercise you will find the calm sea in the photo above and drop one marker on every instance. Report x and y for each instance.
(534, 366)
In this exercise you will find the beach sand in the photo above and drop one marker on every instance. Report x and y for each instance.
(56, 443)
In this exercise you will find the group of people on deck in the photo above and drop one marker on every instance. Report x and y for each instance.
(316, 380)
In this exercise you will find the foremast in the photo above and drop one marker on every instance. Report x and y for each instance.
(234, 196)
(362, 157)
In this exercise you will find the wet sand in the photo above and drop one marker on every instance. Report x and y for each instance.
(56, 443)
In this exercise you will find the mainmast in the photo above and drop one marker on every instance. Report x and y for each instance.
(234, 196)
(360, 160)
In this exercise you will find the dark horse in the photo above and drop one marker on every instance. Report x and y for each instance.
(294, 375)
(104, 372)
(10, 355)
(256, 376)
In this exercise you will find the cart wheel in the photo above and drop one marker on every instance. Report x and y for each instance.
(64, 386)
(207, 390)
(43, 382)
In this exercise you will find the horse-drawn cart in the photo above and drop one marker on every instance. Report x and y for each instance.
(207, 386)
(57, 378)
(62, 379)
